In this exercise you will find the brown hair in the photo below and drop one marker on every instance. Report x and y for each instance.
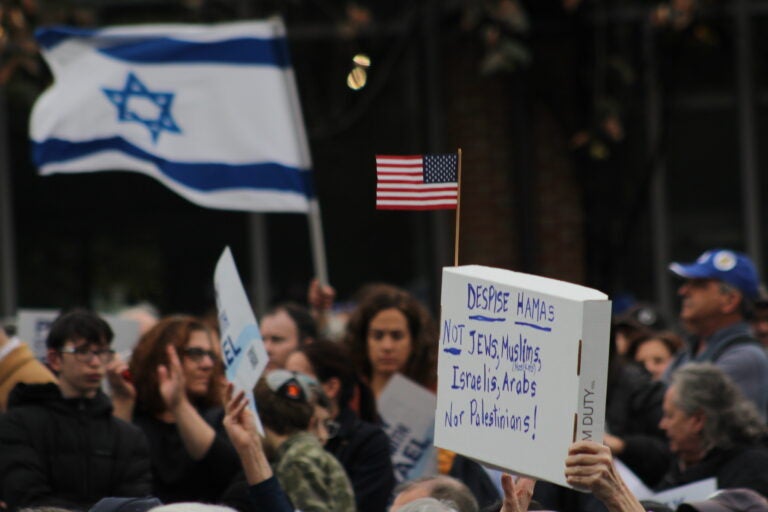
(421, 364)
(282, 415)
(150, 353)
(671, 340)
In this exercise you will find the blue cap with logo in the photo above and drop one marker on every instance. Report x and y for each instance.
(731, 267)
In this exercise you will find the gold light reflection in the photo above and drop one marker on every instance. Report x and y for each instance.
(362, 60)
(357, 78)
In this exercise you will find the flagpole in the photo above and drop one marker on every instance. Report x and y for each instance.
(314, 220)
(458, 214)
(317, 241)
(7, 239)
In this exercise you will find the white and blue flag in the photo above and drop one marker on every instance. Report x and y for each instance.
(210, 111)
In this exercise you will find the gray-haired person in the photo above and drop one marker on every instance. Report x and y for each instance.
(713, 431)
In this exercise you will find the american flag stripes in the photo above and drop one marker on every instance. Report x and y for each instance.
(416, 182)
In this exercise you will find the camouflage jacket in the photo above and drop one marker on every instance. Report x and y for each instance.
(312, 478)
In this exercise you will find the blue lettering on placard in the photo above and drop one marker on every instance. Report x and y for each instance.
(230, 350)
(483, 415)
(397, 436)
(452, 333)
(453, 419)
(467, 379)
(415, 448)
(534, 309)
(223, 321)
(523, 355)
(487, 298)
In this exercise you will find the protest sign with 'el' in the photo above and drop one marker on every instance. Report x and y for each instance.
(406, 411)
(241, 345)
(522, 369)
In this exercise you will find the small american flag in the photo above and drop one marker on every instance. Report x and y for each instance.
(416, 182)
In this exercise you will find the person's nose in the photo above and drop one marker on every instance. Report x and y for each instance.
(683, 289)
(206, 362)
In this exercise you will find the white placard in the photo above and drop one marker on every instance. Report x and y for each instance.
(695, 491)
(34, 324)
(242, 348)
(406, 409)
(32, 328)
(634, 483)
(522, 369)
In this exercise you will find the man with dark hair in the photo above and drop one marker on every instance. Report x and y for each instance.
(312, 478)
(285, 328)
(717, 297)
(59, 443)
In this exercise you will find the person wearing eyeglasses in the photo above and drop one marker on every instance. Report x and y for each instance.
(172, 392)
(60, 444)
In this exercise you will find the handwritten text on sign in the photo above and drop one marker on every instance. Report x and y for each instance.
(521, 368)
(504, 332)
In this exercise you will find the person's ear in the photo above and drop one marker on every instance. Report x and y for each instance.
(332, 388)
(699, 420)
(54, 359)
(732, 301)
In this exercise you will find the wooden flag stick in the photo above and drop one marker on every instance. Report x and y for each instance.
(458, 214)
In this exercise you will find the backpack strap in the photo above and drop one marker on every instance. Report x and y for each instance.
(737, 340)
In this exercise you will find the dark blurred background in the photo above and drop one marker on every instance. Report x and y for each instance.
(601, 140)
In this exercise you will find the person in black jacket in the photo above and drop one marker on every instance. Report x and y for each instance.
(175, 398)
(361, 447)
(60, 444)
(714, 431)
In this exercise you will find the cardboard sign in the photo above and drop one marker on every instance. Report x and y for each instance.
(522, 369)
(695, 491)
(34, 324)
(32, 328)
(241, 345)
(406, 409)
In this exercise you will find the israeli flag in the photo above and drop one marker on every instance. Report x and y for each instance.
(210, 111)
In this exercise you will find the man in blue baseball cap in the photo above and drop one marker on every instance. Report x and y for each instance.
(717, 295)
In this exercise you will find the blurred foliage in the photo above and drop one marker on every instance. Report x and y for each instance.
(503, 26)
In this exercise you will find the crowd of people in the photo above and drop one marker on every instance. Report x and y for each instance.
(170, 433)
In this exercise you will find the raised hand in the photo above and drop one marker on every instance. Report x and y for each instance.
(170, 379)
(589, 467)
(320, 296)
(238, 420)
(241, 429)
(123, 392)
(517, 495)
(119, 381)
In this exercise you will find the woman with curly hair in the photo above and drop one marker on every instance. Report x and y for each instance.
(390, 332)
(172, 392)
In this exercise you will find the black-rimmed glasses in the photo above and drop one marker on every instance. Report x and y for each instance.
(197, 354)
(84, 353)
(332, 427)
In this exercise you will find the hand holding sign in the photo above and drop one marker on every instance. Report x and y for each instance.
(589, 467)
(241, 345)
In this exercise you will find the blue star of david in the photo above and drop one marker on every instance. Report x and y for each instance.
(134, 88)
